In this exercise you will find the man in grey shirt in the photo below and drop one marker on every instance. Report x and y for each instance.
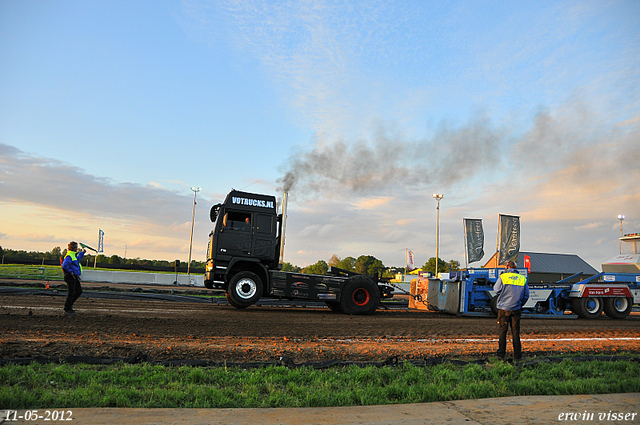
(513, 292)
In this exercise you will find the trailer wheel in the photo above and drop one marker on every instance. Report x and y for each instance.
(334, 306)
(494, 305)
(587, 307)
(245, 289)
(618, 308)
(360, 296)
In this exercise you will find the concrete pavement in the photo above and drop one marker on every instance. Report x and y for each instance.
(584, 409)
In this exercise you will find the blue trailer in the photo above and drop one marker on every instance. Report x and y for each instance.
(470, 292)
(614, 291)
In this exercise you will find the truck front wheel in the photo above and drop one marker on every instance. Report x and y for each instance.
(587, 307)
(232, 302)
(360, 296)
(618, 308)
(245, 289)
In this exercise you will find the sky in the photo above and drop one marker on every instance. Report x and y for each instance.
(110, 111)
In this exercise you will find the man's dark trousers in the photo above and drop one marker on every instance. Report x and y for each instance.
(508, 318)
(74, 290)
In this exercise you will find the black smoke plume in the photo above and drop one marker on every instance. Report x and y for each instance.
(388, 160)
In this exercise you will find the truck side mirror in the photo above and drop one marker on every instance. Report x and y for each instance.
(213, 213)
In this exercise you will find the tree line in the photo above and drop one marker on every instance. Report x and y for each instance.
(56, 253)
(364, 264)
(369, 265)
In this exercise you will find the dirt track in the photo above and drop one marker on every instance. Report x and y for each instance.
(32, 326)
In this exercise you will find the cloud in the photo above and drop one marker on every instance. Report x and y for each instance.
(630, 122)
(333, 62)
(370, 203)
(590, 226)
(54, 184)
(319, 231)
(37, 237)
(45, 201)
(148, 244)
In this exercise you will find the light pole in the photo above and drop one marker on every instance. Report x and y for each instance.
(437, 197)
(193, 217)
(621, 217)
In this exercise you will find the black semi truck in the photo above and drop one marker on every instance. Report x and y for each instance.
(245, 256)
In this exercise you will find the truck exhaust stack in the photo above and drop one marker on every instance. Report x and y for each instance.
(285, 195)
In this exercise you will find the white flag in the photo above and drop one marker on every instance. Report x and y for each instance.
(410, 264)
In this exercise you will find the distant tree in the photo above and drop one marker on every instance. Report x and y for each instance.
(389, 272)
(56, 252)
(288, 267)
(101, 258)
(114, 259)
(369, 265)
(87, 259)
(334, 261)
(443, 266)
(348, 263)
(321, 267)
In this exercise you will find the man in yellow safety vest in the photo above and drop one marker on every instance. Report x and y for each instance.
(512, 290)
(72, 271)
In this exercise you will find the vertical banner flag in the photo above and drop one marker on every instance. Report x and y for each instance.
(527, 262)
(509, 238)
(475, 239)
(100, 241)
(410, 264)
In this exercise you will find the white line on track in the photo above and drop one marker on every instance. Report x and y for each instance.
(107, 310)
(483, 340)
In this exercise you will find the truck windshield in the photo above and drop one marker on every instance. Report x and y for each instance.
(237, 221)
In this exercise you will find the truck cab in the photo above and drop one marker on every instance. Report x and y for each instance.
(245, 255)
(245, 236)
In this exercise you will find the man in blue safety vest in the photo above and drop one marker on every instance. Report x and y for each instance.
(512, 290)
(72, 271)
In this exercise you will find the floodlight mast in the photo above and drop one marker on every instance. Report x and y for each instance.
(437, 197)
(193, 216)
(621, 217)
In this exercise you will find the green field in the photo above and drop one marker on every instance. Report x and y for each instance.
(45, 272)
(18, 271)
(39, 386)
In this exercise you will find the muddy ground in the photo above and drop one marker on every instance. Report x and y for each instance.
(32, 325)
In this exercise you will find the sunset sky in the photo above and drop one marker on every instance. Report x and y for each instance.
(111, 110)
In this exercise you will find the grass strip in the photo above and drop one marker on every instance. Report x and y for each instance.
(43, 272)
(40, 386)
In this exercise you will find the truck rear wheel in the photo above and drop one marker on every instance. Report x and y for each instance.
(334, 306)
(245, 289)
(618, 308)
(587, 307)
(360, 296)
